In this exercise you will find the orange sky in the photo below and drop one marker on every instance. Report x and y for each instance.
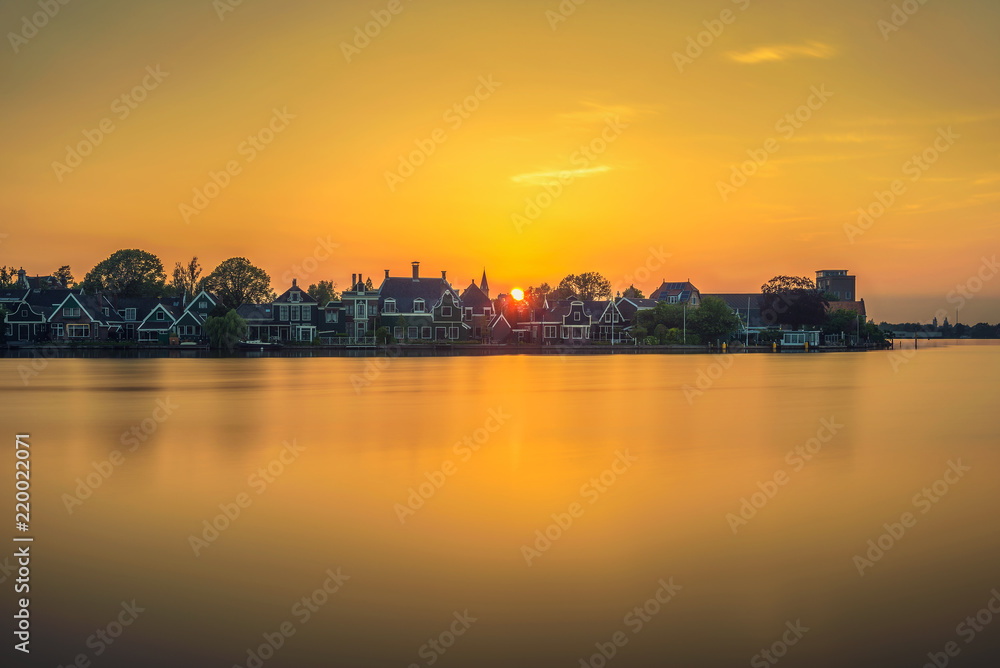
(664, 131)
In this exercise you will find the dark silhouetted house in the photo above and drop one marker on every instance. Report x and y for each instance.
(421, 308)
(677, 293)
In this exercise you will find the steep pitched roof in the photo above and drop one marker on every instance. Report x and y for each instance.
(254, 312)
(856, 306)
(475, 297)
(304, 297)
(682, 290)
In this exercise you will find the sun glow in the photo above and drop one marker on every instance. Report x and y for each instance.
(517, 293)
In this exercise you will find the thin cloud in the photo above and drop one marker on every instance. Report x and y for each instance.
(554, 177)
(779, 52)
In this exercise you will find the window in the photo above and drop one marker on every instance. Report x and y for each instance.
(203, 304)
(550, 331)
(672, 299)
(71, 312)
(295, 312)
(488, 311)
(305, 312)
(411, 332)
(576, 316)
(160, 315)
(295, 296)
(445, 311)
(454, 333)
(130, 314)
(362, 310)
(847, 296)
(418, 305)
(283, 312)
(390, 306)
(105, 309)
(576, 333)
(397, 332)
(57, 329)
(468, 313)
(78, 331)
(425, 332)
(694, 301)
(331, 316)
(565, 333)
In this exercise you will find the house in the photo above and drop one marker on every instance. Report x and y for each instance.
(159, 323)
(295, 315)
(359, 310)
(421, 308)
(804, 339)
(78, 317)
(191, 324)
(566, 322)
(838, 283)
(37, 282)
(856, 306)
(629, 306)
(677, 293)
(25, 324)
(332, 324)
(260, 322)
(125, 314)
(607, 321)
(477, 308)
(498, 329)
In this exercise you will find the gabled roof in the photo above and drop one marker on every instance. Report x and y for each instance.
(638, 302)
(88, 304)
(566, 307)
(168, 306)
(681, 290)
(475, 297)
(304, 298)
(8, 295)
(406, 290)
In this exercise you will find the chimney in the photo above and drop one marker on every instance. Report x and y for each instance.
(354, 281)
(416, 270)
(387, 273)
(293, 282)
(361, 281)
(444, 275)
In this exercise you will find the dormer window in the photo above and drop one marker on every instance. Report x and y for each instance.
(160, 315)
(390, 306)
(295, 296)
(445, 311)
(418, 305)
(130, 314)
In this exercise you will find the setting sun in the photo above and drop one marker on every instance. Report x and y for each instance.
(517, 293)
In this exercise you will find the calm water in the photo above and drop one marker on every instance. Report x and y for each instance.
(654, 473)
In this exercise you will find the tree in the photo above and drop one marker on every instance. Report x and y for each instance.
(8, 277)
(587, 286)
(536, 296)
(841, 321)
(64, 276)
(368, 284)
(323, 292)
(670, 315)
(127, 273)
(225, 331)
(792, 300)
(713, 319)
(185, 278)
(237, 281)
(632, 292)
